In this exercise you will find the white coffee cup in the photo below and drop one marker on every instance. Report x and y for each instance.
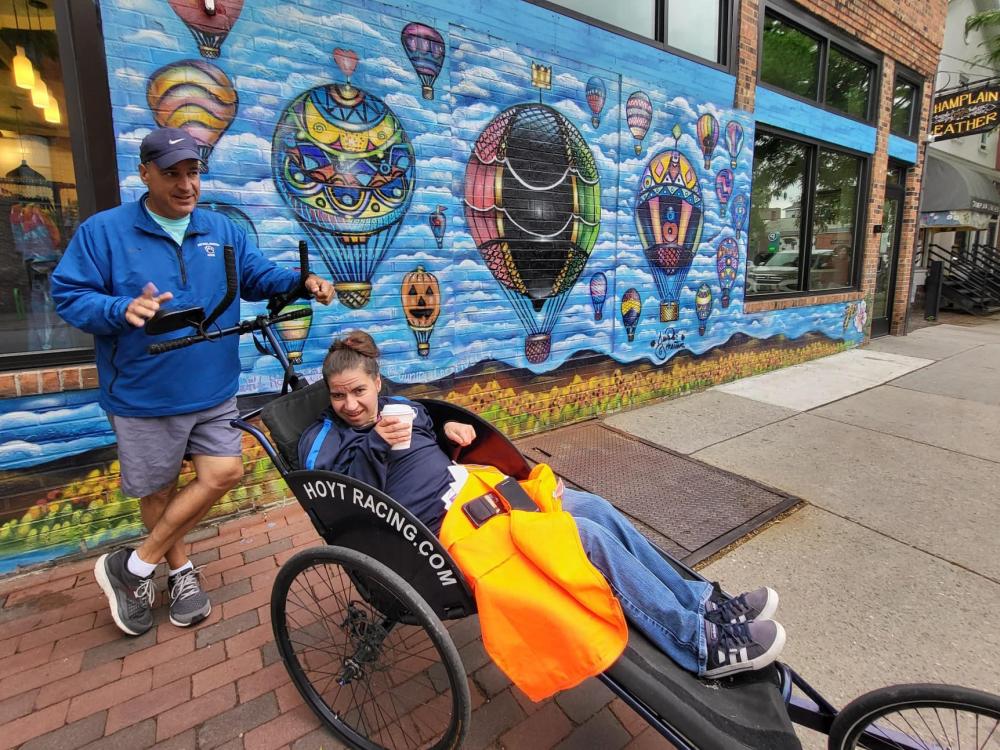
(402, 412)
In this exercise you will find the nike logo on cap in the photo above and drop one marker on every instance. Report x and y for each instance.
(175, 142)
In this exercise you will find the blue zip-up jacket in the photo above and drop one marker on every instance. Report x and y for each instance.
(416, 478)
(112, 256)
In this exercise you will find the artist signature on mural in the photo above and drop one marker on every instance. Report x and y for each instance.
(666, 341)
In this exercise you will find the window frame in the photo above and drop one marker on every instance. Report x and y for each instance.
(728, 35)
(92, 141)
(913, 78)
(827, 35)
(807, 220)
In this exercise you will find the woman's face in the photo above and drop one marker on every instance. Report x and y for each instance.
(354, 396)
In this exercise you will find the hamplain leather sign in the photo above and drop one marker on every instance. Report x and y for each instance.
(967, 111)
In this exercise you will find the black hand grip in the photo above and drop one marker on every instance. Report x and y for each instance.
(169, 346)
(303, 262)
(232, 284)
(304, 312)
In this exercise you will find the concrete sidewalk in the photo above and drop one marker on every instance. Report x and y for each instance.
(889, 573)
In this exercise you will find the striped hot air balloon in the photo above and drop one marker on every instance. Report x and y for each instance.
(708, 136)
(638, 116)
(631, 309)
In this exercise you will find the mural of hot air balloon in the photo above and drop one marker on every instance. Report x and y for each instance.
(533, 207)
(727, 262)
(669, 218)
(425, 48)
(631, 308)
(739, 209)
(703, 306)
(596, 94)
(236, 216)
(293, 333)
(194, 95)
(438, 222)
(421, 296)
(598, 293)
(724, 187)
(708, 136)
(734, 141)
(209, 29)
(343, 163)
(638, 115)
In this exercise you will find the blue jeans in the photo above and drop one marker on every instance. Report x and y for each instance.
(666, 607)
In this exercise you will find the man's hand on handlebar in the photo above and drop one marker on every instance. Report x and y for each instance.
(319, 288)
(144, 307)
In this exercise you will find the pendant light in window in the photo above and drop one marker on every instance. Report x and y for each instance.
(24, 74)
(52, 111)
(40, 93)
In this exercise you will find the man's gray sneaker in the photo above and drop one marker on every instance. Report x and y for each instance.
(741, 647)
(759, 604)
(188, 603)
(131, 597)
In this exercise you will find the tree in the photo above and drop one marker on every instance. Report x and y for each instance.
(987, 22)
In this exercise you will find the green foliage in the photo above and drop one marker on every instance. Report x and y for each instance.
(988, 22)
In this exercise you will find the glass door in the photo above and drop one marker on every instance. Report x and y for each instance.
(888, 251)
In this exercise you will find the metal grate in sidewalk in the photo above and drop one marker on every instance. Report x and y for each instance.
(697, 508)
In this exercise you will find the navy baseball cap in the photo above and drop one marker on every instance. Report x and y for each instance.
(167, 146)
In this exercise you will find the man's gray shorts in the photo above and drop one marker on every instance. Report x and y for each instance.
(150, 449)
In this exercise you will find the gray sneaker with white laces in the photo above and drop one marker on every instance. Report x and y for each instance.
(188, 603)
(131, 597)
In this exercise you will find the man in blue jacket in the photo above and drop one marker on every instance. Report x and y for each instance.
(121, 266)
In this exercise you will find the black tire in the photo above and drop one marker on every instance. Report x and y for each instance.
(368, 654)
(928, 716)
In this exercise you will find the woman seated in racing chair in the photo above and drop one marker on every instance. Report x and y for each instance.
(701, 631)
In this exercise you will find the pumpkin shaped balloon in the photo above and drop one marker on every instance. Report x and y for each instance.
(421, 295)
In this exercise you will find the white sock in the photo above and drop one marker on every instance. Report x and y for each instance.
(139, 567)
(186, 566)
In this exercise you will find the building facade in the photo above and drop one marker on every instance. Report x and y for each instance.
(542, 211)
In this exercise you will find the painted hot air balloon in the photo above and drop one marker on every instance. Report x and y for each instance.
(724, 187)
(739, 210)
(708, 136)
(438, 222)
(727, 262)
(194, 95)
(235, 215)
(343, 163)
(421, 296)
(293, 333)
(596, 94)
(703, 306)
(533, 207)
(669, 218)
(209, 29)
(631, 308)
(638, 115)
(598, 293)
(425, 48)
(734, 141)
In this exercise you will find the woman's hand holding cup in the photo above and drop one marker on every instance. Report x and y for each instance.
(395, 425)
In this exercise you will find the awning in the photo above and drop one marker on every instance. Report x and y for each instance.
(952, 184)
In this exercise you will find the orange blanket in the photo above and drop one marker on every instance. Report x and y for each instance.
(548, 617)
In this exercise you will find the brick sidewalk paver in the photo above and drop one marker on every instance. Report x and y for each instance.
(70, 679)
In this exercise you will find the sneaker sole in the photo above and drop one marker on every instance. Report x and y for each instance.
(771, 607)
(760, 662)
(195, 621)
(101, 574)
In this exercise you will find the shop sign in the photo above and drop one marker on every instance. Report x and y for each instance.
(978, 204)
(967, 111)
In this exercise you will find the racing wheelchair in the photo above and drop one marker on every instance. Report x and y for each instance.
(367, 624)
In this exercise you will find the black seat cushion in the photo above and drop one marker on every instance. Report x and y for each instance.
(288, 416)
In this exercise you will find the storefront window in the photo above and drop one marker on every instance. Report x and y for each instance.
(637, 16)
(779, 174)
(904, 99)
(38, 197)
(848, 83)
(694, 27)
(834, 216)
(804, 217)
(790, 58)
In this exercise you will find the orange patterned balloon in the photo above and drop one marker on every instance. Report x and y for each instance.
(194, 95)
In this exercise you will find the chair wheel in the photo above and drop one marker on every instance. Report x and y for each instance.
(367, 653)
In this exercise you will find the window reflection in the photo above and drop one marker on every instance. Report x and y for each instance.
(38, 201)
(637, 16)
(903, 99)
(848, 83)
(694, 27)
(790, 58)
(779, 173)
(834, 213)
